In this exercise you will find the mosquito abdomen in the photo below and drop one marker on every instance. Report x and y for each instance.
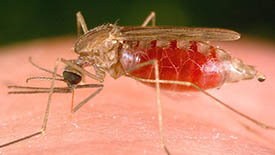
(178, 61)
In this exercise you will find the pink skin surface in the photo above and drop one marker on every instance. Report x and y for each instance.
(122, 119)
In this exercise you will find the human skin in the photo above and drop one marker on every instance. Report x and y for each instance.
(122, 119)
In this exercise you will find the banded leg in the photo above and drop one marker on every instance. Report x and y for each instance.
(150, 17)
(157, 81)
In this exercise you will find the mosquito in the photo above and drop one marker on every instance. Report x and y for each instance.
(164, 57)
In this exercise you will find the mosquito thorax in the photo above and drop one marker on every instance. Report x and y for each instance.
(71, 76)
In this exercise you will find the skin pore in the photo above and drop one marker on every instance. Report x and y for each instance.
(122, 119)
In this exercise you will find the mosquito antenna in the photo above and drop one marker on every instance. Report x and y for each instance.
(42, 78)
(41, 68)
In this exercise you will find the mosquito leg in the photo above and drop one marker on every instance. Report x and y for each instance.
(83, 71)
(81, 24)
(45, 120)
(99, 86)
(41, 68)
(156, 81)
(44, 126)
(189, 84)
(150, 17)
(36, 90)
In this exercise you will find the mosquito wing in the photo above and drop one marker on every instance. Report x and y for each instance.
(176, 33)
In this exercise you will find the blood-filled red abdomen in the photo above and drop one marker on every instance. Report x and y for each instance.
(193, 62)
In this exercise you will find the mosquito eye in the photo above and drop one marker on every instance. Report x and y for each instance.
(71, 78)
(261, 79)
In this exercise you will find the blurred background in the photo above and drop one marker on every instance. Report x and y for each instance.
(32, 19)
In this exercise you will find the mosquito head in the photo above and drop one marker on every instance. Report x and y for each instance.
(261, 77)
(71, 76)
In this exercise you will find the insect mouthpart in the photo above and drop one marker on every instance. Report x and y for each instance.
(71, 76)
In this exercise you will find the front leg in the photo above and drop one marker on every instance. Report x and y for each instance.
(80, 22)
(46, 114)
(150, 17)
